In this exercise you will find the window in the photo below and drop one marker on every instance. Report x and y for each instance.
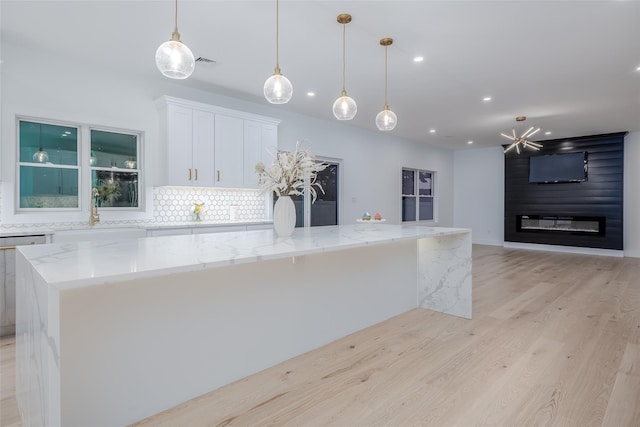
(418, 195)
(114, 168)
(48, 166)
(51, 162)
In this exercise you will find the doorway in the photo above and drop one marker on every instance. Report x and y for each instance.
(326, 209)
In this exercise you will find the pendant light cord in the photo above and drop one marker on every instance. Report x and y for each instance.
(344, 59)
(386, 106)
(277, 36)
(176, 23)
(175, 36)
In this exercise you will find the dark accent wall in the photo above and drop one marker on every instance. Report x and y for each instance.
(599, 196)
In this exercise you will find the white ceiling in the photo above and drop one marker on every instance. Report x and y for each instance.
(569, 66)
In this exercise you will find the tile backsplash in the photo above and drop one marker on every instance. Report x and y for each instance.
(173, 206)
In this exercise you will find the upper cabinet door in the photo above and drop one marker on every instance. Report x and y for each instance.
(179, 165)
(260, 139)
(229, 151)
(203, 149)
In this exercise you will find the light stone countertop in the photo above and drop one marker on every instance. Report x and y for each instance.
(35, 229)
(83, 264)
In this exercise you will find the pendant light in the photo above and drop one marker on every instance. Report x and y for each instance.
(40, 156)
(386, 119)
(345, 107)
(522, 140)
(278, 88)
(173, 58)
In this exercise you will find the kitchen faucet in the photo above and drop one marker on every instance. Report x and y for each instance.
(94, 216)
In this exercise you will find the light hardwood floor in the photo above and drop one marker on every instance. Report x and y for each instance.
(555, 340)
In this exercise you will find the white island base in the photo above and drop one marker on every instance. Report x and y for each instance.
(110, 333)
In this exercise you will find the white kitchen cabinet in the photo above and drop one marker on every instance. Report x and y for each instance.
(168, 232)
(218, 229)
(190, 146)
(229, 151)
(260, 139)
(267, 226)
(203, 148)
(8, 278)
(207, 145)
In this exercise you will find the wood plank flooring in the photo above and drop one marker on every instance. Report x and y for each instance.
(555, 341)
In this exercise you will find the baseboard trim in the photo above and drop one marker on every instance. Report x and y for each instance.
(488, 242)
(565, 249)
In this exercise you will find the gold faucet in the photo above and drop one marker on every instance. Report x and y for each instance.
(94, 216)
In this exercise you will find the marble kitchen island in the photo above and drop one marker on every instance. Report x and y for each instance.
(112, 332)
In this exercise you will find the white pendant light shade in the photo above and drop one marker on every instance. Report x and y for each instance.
(175, 60)
(386, 120)
(345, 107)
(278, 89)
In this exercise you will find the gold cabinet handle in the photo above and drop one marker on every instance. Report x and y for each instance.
(196, 174)
(189, 174)
(218, 178)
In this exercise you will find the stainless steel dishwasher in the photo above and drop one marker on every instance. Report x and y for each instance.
(8, 278)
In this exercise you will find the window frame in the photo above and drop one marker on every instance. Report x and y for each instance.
(19, 164)
(416, 195)
(137, 169)
(83, 167)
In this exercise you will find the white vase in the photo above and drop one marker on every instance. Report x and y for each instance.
(284, 216)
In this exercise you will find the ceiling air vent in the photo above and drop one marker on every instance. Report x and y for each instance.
(202, 60)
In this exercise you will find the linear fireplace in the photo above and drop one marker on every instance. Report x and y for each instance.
(588, 225)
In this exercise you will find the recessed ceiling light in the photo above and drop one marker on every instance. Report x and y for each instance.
(432, 131)
(418, 58)
(486, 99)
(638, 68)
(310, 94)
(469, 142)
(548, 132)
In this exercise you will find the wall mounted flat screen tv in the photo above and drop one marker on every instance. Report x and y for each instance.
(556, 168)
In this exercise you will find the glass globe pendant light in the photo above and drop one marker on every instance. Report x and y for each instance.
(40, 156)
(386, 119)
(278, 88)
(173, 58)
(345, 107)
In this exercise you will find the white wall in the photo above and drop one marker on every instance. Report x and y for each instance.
(632, 195)
(41, 85)
(479, 194)
(478, 191)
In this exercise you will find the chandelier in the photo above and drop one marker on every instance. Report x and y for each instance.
(522, 141)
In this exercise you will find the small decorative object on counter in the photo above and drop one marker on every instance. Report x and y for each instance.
(233, 213)
(377, 216)
(290, 174)
(366, 216)
(197, 209)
